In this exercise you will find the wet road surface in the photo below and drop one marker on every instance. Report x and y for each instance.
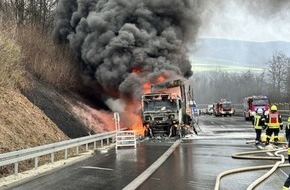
(194, 164)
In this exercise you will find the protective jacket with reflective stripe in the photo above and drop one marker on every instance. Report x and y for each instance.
(274, 120)
(287, 131)
(258, 122)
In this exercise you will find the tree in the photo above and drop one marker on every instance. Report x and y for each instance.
(288, 84)
(211, 86)
(35, 12)
(277, 73)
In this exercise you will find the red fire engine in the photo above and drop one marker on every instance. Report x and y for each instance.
(252, 103)
(223, 108)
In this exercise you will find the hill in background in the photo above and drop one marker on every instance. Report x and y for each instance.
(234, 55)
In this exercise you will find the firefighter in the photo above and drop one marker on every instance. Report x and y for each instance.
(259, 124)
(287, 133)
(273, 122)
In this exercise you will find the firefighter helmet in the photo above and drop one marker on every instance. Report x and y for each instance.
(260, 111)
(273, 108)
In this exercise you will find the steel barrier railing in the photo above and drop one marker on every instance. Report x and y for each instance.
(34, 153)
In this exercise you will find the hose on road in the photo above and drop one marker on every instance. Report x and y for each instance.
(247, 155)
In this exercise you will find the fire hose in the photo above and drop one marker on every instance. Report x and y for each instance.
(245, 155)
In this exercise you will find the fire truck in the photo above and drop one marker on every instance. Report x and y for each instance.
(164, 105)
(223, 108)
(252, 103)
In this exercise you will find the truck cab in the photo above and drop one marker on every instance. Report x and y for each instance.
(227, 109)
(252, 103)
(223, 108)
(159, 110)
(165, 105)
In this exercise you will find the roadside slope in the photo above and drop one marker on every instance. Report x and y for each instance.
(24, 125)
(40, 87)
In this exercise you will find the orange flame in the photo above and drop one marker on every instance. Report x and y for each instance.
(136, 70)
(137, 126)
(132, 117)
(147, 87)
(160, 79)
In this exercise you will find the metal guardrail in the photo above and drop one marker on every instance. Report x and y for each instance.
(34, 153)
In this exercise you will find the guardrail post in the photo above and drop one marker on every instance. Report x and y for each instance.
(65, 154)
(108, 141)
(16, 168)
(77, 150)
(52, 157)
(87, 147)
(102, 143)
(95, 145)
(36, 162)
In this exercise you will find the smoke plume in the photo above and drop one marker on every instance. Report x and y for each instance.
(122, 44)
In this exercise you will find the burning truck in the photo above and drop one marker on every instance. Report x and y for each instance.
(164, 106)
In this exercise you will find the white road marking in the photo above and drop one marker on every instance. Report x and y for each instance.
(149, 171)
(283, 172)
(96, 168)
(154, 178)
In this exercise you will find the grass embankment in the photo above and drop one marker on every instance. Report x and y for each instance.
(25, 52)
(22, 124)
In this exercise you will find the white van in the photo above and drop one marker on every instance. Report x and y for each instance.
(210, 109)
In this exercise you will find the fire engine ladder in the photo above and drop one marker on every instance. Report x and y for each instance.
(124, 137)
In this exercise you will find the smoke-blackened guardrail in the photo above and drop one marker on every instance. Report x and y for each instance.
(35, 152)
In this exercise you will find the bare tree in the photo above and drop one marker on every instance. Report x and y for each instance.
(211, 86)
(288, 84)
(277, 73)
(35, 12)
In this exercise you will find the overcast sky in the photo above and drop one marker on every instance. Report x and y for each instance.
(251, 20)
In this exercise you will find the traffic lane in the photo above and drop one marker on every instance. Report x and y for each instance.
(212, 120)
(244, 179)
(226, 127)
(196, 165)
(249, 134)
(112, 170)
(273, 182)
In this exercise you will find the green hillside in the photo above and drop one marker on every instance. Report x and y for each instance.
(202, 64)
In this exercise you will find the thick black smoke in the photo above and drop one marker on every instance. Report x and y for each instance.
(122, 44)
